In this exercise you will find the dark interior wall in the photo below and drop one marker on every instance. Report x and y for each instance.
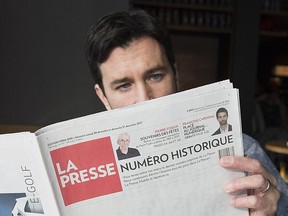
(44, 75)
(245, 57)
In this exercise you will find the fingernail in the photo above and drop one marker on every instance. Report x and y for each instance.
(227, 160)
(228, 187)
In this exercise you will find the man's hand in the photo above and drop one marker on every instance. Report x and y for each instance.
(259, 201)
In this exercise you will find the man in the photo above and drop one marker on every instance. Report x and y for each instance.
(222, 116)
(124, 151)
(131, 59)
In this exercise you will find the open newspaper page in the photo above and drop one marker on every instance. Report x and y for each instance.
(24, 185)
(217, 86)
(157, 158)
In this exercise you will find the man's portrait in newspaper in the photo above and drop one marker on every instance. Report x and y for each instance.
(222, 117)
(124, 151)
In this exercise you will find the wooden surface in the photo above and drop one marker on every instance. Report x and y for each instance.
(7, 128)
(279, 146)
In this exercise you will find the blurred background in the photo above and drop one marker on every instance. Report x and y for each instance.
(45, 78)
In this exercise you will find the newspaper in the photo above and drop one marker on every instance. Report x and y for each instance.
(172, 165)
(24, 184)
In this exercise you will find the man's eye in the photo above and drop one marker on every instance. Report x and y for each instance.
(123, 86)
(156, 77)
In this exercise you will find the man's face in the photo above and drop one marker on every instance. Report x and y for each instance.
(136, 73)
(123, 142)
(222, 118)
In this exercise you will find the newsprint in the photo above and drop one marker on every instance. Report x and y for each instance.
(157, 158)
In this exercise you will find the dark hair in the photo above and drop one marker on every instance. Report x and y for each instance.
(119, 29)
(222, 109)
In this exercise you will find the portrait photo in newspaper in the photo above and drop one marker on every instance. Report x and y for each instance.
(222, 118)
(124, 151)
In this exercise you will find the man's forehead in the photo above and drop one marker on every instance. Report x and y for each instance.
(140, 56)
(222, 113)
(144, 42)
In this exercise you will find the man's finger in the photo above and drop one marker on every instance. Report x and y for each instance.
(242, 163)
(256, 182)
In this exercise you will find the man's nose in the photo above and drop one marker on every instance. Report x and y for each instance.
(144, 93)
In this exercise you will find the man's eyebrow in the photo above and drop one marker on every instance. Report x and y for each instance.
(119, 81)
(127, 79)
(157, 68)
